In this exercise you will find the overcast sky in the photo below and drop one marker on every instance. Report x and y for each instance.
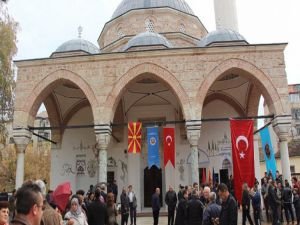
(45, 24)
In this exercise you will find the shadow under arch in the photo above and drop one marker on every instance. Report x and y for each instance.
(249, 71)
(44, 88)
(160, 74)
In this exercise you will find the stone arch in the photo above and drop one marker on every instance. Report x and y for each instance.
(247, 70)
(230, 101)
(161, 74)
(46, 85)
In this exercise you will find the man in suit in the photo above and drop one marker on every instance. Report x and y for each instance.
(171, 201)
(155, 206)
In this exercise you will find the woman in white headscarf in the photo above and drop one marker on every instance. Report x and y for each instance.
(75, 216)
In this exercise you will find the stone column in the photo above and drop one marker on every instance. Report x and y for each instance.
(282, 125)
(256, 158)
(22, 138)
(193, 134)
(103, 136)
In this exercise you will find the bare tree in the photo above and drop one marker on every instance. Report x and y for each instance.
(8, 48)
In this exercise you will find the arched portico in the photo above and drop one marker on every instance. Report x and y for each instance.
(45, 86)
(259, 83)
(63, 93)
(245, 69)
(159, 73)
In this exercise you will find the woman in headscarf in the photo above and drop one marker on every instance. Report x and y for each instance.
(111, 209)
(4, 212)
(75, 216)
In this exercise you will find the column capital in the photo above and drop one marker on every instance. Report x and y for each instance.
(193, 129)
(282, 125)
(103, 136)
(22, 138)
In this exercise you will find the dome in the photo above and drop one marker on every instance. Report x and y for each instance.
(78, 45)
(147, 39)
(222, 35)
(127, 5)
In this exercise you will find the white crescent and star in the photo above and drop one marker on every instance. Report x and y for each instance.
(169, 140)
(242, 138)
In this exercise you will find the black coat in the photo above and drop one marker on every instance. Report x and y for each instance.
(287, 195)
(179, 195)
(171, 200)
(273, 199)
(229, 212)
(155, 202)
(97, 213)
(246, 199)
(124, 203)
(194, 211)
(181, 217)
(212, 211)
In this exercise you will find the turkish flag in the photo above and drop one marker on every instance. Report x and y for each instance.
(169, 145)
(242, 155)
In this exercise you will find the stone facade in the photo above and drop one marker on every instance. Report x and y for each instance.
(100, 93)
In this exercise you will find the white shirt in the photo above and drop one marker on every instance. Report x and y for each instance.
(130, 195)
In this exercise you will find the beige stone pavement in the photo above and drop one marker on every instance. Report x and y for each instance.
(163, 220)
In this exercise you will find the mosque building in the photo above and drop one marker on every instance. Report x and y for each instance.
(155, 63)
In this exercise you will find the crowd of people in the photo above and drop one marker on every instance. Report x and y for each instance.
(192, 205)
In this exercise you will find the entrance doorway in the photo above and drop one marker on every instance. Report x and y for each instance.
(152, 180)
(224, 176)
(110, 177)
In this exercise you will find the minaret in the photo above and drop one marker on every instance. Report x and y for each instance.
(226, 14)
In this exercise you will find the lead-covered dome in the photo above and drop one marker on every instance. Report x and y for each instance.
(222, 36)
(78, 45)
(127, 5)
(148, 39)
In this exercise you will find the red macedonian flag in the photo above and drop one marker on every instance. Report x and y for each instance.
(134, 137)
(169, 146)
(242, 155)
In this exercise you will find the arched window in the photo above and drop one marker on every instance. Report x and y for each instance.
(149, 25)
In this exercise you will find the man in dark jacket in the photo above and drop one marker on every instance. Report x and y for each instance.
(212, 211)
(194, 209)
(155, 206)
(97, 212)
(181, 218)
(246, 204)
(287, 197)
(256, 204)
(124, 207)
(114, 189)
(171, 201)
(228, 215)
(273, 202)
(180, 192)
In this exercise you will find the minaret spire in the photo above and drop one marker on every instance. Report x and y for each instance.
(226, 14)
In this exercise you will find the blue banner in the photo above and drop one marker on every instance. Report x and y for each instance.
(153, 147)
(268, 151)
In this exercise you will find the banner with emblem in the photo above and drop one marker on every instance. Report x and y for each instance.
(134, 137)
(242, 154)
(268, 151)
(169, 145)
(153, 147)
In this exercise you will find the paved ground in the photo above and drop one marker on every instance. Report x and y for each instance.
(163, 220)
